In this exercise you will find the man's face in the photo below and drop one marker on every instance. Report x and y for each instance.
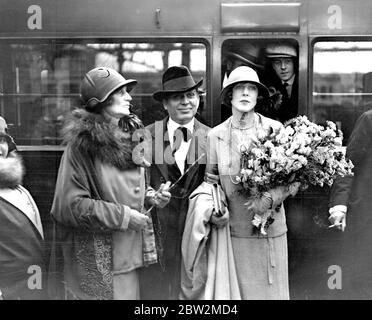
(284, 68)
(182, 107)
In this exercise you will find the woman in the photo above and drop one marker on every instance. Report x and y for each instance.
(261, 262)
(100, 193)
(22, 265)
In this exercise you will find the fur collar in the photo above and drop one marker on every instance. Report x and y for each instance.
(94, 136)
(11, 171)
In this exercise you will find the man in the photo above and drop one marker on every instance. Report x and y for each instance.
(351, 197)
(178, 148)
(282, 60)
(22, 264)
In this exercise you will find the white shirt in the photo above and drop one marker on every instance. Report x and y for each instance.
(289, 86)
(181, 153)
(21, 199)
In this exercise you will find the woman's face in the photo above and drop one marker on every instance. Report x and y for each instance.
(3, 147)
(119, 106)
(244, 96)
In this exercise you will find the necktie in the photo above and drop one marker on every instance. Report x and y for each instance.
(287, 89)
(180, 134)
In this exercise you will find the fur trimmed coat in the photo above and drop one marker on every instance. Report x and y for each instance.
(21, 243)
(85, 212)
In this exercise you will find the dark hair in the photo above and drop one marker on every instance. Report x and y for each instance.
(228, 96)
(97, 109)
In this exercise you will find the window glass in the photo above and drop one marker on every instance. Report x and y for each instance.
(342, 82)
(39, 82)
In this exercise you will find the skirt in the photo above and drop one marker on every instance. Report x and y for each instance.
(262, 267)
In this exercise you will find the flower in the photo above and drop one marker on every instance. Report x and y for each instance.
(301, 153)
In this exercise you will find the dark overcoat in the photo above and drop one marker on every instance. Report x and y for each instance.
(355, 192)
(169, 221)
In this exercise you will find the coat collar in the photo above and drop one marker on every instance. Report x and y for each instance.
(160, 141)
(92, 135)
(222, 130)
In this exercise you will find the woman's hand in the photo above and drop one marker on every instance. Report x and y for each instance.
(221, 221)
(279, 194)
(211, 178)
(260, 205)
(137, 220)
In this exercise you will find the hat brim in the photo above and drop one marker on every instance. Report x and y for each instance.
(129, 82)
(160, 95)
(273, 56)
(263, 91)
(246, 61)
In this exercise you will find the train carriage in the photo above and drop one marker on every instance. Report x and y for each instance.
(47, 45)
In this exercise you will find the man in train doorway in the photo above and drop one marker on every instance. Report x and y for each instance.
(282, 59)
(179, 140)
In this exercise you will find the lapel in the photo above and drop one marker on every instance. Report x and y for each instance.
(161, 151)
(197, 144)
(35, 230)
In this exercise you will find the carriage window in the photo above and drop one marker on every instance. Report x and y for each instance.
(276, 63)
(39, 82)
(342, 83)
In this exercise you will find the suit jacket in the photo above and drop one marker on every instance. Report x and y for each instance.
(169, 221)
(355, 191)
(288, 109)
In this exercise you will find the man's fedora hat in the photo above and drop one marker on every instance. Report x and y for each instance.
(3, 127)
(246, 52)
(243, 74)
(176, 80)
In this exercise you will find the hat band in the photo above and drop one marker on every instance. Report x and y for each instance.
(179, 84)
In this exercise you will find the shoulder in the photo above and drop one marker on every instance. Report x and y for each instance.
(200, 127)
(220, 130)
(366, 115)
(157, 124)
(268, 122)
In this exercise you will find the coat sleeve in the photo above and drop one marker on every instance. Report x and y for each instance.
(212, 157)
(358, 147)
(74, 204)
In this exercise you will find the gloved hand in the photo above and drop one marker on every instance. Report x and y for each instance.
(338, 220)
(211, 178)
(220, 222)
(161, 197)
(137, 220)
(279, 194)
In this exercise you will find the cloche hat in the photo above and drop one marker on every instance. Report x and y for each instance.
(99, 83)
(243, 74)
(3, 128)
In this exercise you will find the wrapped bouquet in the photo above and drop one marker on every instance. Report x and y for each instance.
(277, 163)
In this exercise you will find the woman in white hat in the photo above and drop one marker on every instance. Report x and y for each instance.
(261, 261)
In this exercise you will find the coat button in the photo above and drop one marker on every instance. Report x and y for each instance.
(137, 189)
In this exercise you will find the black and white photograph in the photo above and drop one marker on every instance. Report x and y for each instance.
(198, 151)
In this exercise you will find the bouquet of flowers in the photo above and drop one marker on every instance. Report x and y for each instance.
(277, 163)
